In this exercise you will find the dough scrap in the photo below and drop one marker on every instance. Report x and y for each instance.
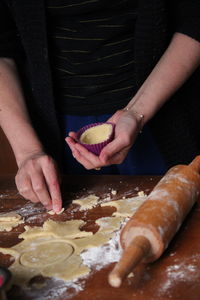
(96, 134)
(126, 207)
(87, 202)
(141, 193)
(52, 212)
(96, 240)
(10, 220)
(109, 224)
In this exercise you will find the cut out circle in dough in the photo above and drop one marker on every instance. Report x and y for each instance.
(47, 253)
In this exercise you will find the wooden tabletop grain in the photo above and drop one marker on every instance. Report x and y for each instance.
(176, 275)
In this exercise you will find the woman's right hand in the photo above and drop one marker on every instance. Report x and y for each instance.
(37, 180)
(37, 177)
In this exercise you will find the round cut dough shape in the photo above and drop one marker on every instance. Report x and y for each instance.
(46, 254)
(96, 134)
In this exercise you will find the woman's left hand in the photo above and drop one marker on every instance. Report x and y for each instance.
(127, 126)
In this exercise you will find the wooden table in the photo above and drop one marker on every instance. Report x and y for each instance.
(176, 275)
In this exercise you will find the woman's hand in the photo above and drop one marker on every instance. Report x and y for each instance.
(127, 126)
(37, 177)
(175, 66)
(37, 180)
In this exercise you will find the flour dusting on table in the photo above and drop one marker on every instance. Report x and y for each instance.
(180, 272)
(95, 258)
(98, 257)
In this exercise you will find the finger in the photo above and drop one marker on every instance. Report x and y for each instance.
(25, 188)
(71, 145)
(89, 156)
(110, 150)
(40, 188)
(119, 157)
(82, 155)
(52, 181)
(73, 135)
(70, 142)
(78, 156)
(83, 160)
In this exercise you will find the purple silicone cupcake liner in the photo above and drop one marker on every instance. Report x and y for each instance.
(95, 148)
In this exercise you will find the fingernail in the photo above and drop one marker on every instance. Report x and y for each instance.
(56, 208)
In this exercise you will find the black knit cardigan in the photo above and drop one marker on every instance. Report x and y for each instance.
(176, 127)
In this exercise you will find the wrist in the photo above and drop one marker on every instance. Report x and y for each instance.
(29, 155)
(144, 106)
(139, 116)
(24, 154)
(23, 140)
(22, 157)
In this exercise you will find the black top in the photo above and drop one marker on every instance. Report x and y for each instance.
(91, 46)
(176, 127)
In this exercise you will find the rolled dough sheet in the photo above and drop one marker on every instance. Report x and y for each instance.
(87, 202)
(69, 229)
(109, 224)
(10, 220)
(46, 253)
(54, 250)
(126, 207)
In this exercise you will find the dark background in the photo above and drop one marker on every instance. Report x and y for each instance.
(7, 160)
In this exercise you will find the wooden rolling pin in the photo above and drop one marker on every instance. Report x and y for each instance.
(149, 231)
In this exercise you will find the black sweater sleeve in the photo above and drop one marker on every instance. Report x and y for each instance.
(10, 45)
(187, 17)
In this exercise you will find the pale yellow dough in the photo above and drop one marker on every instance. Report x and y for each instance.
(52, 212)
(126, 207)
(46, 253)
(87, 202)
(10, 220)
(68, 229)
(109, 224)
(54, 250)
(96, 134)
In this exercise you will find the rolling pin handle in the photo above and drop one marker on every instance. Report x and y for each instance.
(195, 164)
(132, 255)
